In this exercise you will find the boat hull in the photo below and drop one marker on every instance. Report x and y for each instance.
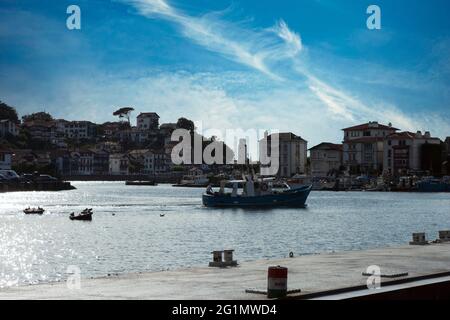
(433, 186)
(82, 217)
(291, 198)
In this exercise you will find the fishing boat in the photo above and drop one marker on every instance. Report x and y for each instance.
(86, 215)
(194, 179)
(258, 193)
(37, 210)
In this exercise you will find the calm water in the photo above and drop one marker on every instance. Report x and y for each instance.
(39, 248)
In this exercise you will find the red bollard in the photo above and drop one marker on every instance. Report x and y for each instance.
(277, 282)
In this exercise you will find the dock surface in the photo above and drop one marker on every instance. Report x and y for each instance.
(311, 274)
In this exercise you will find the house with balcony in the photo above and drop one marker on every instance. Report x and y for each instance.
(325, 158)
(363, 147)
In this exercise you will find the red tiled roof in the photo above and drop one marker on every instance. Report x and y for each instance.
(403, 135)
(370, 125)
(329, 145)
(287, 136)
(148, 114)
(39, 123)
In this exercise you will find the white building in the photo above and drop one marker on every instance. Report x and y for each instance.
(147, 121)
(292, 153)
(5, 160)
(76, 129)
(8, 127)
(363, 147)
(119, 164)
(325, 158)
(403, 151)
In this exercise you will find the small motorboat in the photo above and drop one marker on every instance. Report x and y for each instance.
(162, 214)
(85, 215)
(37, 210)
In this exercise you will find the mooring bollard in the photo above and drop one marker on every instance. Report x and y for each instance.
(444, 235)
(217, 259)
(277, 282)
(228, 255)
(418, 239)
(217, 256)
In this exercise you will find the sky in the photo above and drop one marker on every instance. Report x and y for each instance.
(311, 67)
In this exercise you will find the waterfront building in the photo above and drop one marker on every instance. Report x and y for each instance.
(5, 159)
(149, 161)
(406, 151)
(8, 127)
(100, 162)
(147, 121)
(119, 164)
(61, 161)
(363, 147)
(325, 158)
(292, 153)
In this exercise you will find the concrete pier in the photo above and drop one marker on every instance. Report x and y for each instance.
(313, 274)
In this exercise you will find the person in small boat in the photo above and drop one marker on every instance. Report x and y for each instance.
(209, 189)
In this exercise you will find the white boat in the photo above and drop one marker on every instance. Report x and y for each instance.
(195, 178)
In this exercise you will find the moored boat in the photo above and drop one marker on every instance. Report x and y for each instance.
(86, 215)
(37, 210)
(433, 185)
(140, 183)
(256, 194)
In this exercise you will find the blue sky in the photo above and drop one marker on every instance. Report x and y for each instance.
(307, 66)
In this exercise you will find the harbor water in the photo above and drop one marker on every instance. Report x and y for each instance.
(154, 228)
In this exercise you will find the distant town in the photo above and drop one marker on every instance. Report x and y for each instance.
(83, 150)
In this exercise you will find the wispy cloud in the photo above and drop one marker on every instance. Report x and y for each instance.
(265, 50)
(258, 49)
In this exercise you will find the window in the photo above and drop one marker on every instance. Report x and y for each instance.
(366, 134)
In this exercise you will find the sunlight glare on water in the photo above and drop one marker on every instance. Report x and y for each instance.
(37, 249)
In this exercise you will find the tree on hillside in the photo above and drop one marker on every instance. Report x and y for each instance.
(186, 124)
(124, 112)
(42, 116)
(7, 112)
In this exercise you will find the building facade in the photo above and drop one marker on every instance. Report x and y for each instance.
(147, 121)
(43, 131)
(325, 158)
(119, 164)
(404, 151)
(363, 147)
(8, 127)
(292, 153)
(5, 160)
(77, 130)
(149, 161)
